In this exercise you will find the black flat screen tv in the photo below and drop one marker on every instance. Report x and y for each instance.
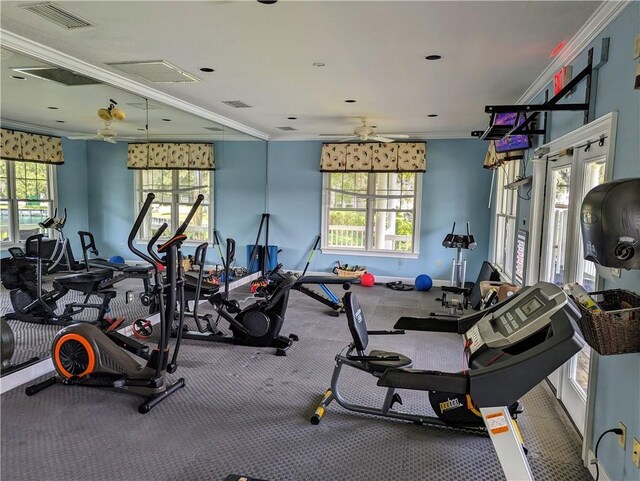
(511, 142)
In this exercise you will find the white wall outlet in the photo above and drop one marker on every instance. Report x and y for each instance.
(622, 439)
(636, 50)
(635, 453)
(438, 263)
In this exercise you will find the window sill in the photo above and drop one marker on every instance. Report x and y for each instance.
(362, 253)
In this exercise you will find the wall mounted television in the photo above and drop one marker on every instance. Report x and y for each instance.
(511, 142)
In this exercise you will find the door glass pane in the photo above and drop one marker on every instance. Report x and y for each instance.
(560, 190)
(579, 370)
(593, 175)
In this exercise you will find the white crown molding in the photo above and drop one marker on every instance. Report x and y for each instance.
(415, 136)
(55, 57)
(603, 16)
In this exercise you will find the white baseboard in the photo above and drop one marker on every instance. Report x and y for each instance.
(604, 476)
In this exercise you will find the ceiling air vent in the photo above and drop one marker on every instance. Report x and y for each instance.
(156, 71)
(286, 128)
(237, 104)
(58, 15)
(57, 74)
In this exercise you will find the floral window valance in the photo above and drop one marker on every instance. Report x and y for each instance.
(374, 157)
(18, 145)
(494, 160)
(166, 156)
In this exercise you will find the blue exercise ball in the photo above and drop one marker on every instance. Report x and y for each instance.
(423, 282)
(117, 260)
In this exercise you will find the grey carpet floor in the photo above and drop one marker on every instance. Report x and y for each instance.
(247, 411)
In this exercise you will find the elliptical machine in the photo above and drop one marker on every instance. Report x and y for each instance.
(85, 356)
(258, 324)
(56, 252)
(456, 296)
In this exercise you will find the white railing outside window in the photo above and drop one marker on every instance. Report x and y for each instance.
(371, 212)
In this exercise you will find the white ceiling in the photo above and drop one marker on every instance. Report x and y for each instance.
(374, 53)
(25, 105)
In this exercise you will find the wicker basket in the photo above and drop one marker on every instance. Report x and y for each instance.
(616, 330)
(348, 273)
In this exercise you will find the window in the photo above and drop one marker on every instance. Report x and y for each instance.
(371, 212)
(506, 211)
(176, 191)
(26, 198)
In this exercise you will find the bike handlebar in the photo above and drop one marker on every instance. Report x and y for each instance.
(154, 239)
(136, 227)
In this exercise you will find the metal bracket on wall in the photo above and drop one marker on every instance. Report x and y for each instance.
(531, 112)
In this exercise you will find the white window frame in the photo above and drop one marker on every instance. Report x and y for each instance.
(506, 173)
(12, 201)
(139, 200)
(368, 249)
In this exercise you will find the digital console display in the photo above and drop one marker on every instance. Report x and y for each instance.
(530, 307)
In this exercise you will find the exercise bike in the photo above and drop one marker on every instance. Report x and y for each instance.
(83, 355)
(455, 297)
(513, 346)
(258, 324)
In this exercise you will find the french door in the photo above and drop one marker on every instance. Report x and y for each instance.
(568, 178)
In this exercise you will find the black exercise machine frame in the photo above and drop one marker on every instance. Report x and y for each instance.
(589, 73)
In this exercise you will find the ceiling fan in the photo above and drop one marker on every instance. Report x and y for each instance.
(105, 132)
(366, 132)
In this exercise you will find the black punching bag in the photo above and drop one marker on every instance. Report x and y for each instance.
(610, 222)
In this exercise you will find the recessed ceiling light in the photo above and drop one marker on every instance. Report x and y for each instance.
(432, 115)
(318, 64)
(17, 77)
(350, 101)
(60, 121)
(206, 69)
(433, 57)
(166, 120)
(292, 118)
(52, 108)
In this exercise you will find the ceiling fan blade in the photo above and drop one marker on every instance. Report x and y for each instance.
(395, 136)
(380, 138)
(334, 135)
(350, 138)
(111, 140)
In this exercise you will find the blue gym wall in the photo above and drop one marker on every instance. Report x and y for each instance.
(239, 186)
(455, 188)
(617, 390)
